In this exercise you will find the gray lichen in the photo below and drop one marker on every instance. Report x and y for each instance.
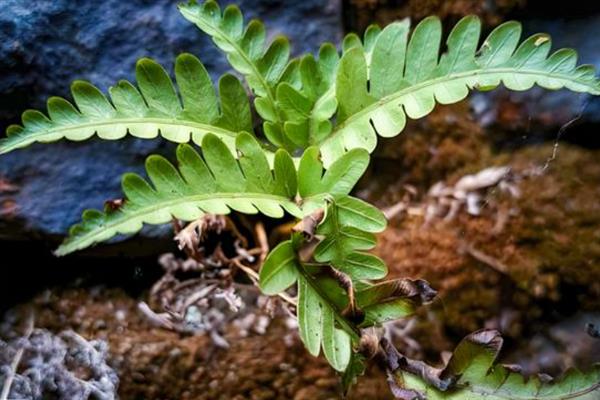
(62, 366)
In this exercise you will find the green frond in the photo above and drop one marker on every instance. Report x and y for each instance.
(217, 183)
(212, 183)
(348, 228)
(308, 108)
(476, 375)
(319, 318)
(154, 109)
(389, 77)
(323, 301)
(245, 46)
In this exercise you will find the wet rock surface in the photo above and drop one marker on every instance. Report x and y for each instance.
(543, 113)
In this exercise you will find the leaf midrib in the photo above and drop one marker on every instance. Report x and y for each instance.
(24, 137)
(126, 215)
(344, 324)
(359, 212)
(145, 120)
(182, 200)
(223, 35)
(431, 82)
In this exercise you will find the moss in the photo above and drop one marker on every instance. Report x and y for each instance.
(427, 151)
(550, 246)
(360, 13)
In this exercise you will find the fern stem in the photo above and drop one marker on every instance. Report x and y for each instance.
(261, 78)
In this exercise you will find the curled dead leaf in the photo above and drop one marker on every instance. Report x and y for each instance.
(308, 225)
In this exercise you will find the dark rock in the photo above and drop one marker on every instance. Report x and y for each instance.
(46, 44)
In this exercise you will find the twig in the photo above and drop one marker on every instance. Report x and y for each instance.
(263, 242)
(16, 360)
(486, 259)
(392, 211)
(160, 319)
(229, 224)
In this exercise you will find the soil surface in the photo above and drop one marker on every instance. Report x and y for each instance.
(154, 363)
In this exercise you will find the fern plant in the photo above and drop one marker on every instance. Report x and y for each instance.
(321, 117)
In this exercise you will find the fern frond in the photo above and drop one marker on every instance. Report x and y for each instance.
(217, 183)
(214, 183)
(153, 109)
(378, 88)
(320, 321)
(324, 299)
(322, 303)
(245, 46)
(473, 374)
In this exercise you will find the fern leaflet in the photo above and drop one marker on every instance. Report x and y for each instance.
(145, 113)
(347, 228)
(472, 373)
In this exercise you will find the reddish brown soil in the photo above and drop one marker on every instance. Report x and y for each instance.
(365, 12)
(154, 363)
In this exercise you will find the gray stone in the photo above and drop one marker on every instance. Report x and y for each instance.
(46, 44)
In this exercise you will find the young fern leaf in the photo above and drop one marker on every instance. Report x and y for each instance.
(348, 228)
(153, 109)
(263, 67)
(214, 183)
(308, 110)
(472, 373)
(309, 107)
(377, 88)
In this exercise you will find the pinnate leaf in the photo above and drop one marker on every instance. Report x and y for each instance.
(214, 182)
(153, 109)
(389, 77)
